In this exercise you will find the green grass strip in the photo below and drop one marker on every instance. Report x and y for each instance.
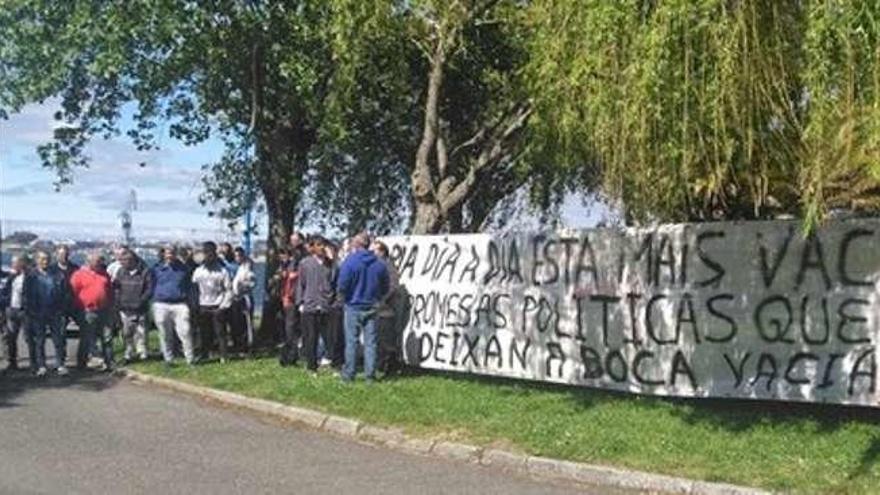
(792, 447)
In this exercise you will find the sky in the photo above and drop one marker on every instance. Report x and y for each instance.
(167, 187)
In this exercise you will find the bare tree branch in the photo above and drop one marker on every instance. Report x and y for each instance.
(442, 155)
(496, 151)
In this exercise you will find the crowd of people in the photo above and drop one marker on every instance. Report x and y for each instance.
(335, 305)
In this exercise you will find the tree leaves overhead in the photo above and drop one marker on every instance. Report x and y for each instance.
(714, 109)
(683, 109)
(188, 67)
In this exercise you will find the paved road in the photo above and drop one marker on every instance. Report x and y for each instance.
(92, 433)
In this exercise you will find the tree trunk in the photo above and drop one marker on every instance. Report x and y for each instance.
(442, 182)
(281, 211)
(426, 209)
(426, 219)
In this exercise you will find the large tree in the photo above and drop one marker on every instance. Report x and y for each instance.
(257, 74)
(454, 131)
(715, 109)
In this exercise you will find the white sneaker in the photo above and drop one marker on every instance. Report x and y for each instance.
(62, 371)
(42, 371)
(325, 362)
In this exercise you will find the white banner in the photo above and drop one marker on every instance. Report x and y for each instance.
(747, 310)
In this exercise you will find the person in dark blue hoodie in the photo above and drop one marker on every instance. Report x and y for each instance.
(363, 282)
(172, 291)
(45, 297)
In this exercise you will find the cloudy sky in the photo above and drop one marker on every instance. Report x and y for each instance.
(167, 187)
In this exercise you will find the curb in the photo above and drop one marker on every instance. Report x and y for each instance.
(539, 467)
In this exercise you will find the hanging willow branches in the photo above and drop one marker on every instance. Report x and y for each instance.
(711, 109)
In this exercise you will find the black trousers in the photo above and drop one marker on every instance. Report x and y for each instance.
(238, 324)
(292, 332)
(314, 324)
(16, 322)
(212, 326)
(389, 345)
(335, 342)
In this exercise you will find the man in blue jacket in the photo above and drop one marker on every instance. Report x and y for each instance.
(363, 282)
(44, 295)
(172, 291)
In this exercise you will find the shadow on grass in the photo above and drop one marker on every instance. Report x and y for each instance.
(735, 415)
(731, 415)
(869, 460)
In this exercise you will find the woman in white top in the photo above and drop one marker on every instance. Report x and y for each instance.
(242, 309)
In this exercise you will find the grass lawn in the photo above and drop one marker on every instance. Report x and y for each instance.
(791, 447)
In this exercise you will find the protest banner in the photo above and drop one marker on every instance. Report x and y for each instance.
(751, 310)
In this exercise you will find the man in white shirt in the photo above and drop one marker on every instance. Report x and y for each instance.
(215, 296)
(241, 310)
(114, 267)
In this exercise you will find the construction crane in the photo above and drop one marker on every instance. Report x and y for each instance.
(125, 218)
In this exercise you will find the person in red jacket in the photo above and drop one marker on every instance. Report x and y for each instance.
(93, 294)
(290, 351)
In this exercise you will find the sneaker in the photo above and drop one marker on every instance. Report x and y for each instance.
(143, 357)
(41, 371)
(326, 362)
(106, 368)
(62, 371)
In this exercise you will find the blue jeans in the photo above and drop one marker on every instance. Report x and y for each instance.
(95, 327)
(38, 327)
(354, 322)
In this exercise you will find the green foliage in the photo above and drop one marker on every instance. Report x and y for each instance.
(385, 50)
(713, 109)
(841, 167)
(321, 104)
(254, 74)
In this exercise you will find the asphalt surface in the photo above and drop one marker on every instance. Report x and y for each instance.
(93, 433)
